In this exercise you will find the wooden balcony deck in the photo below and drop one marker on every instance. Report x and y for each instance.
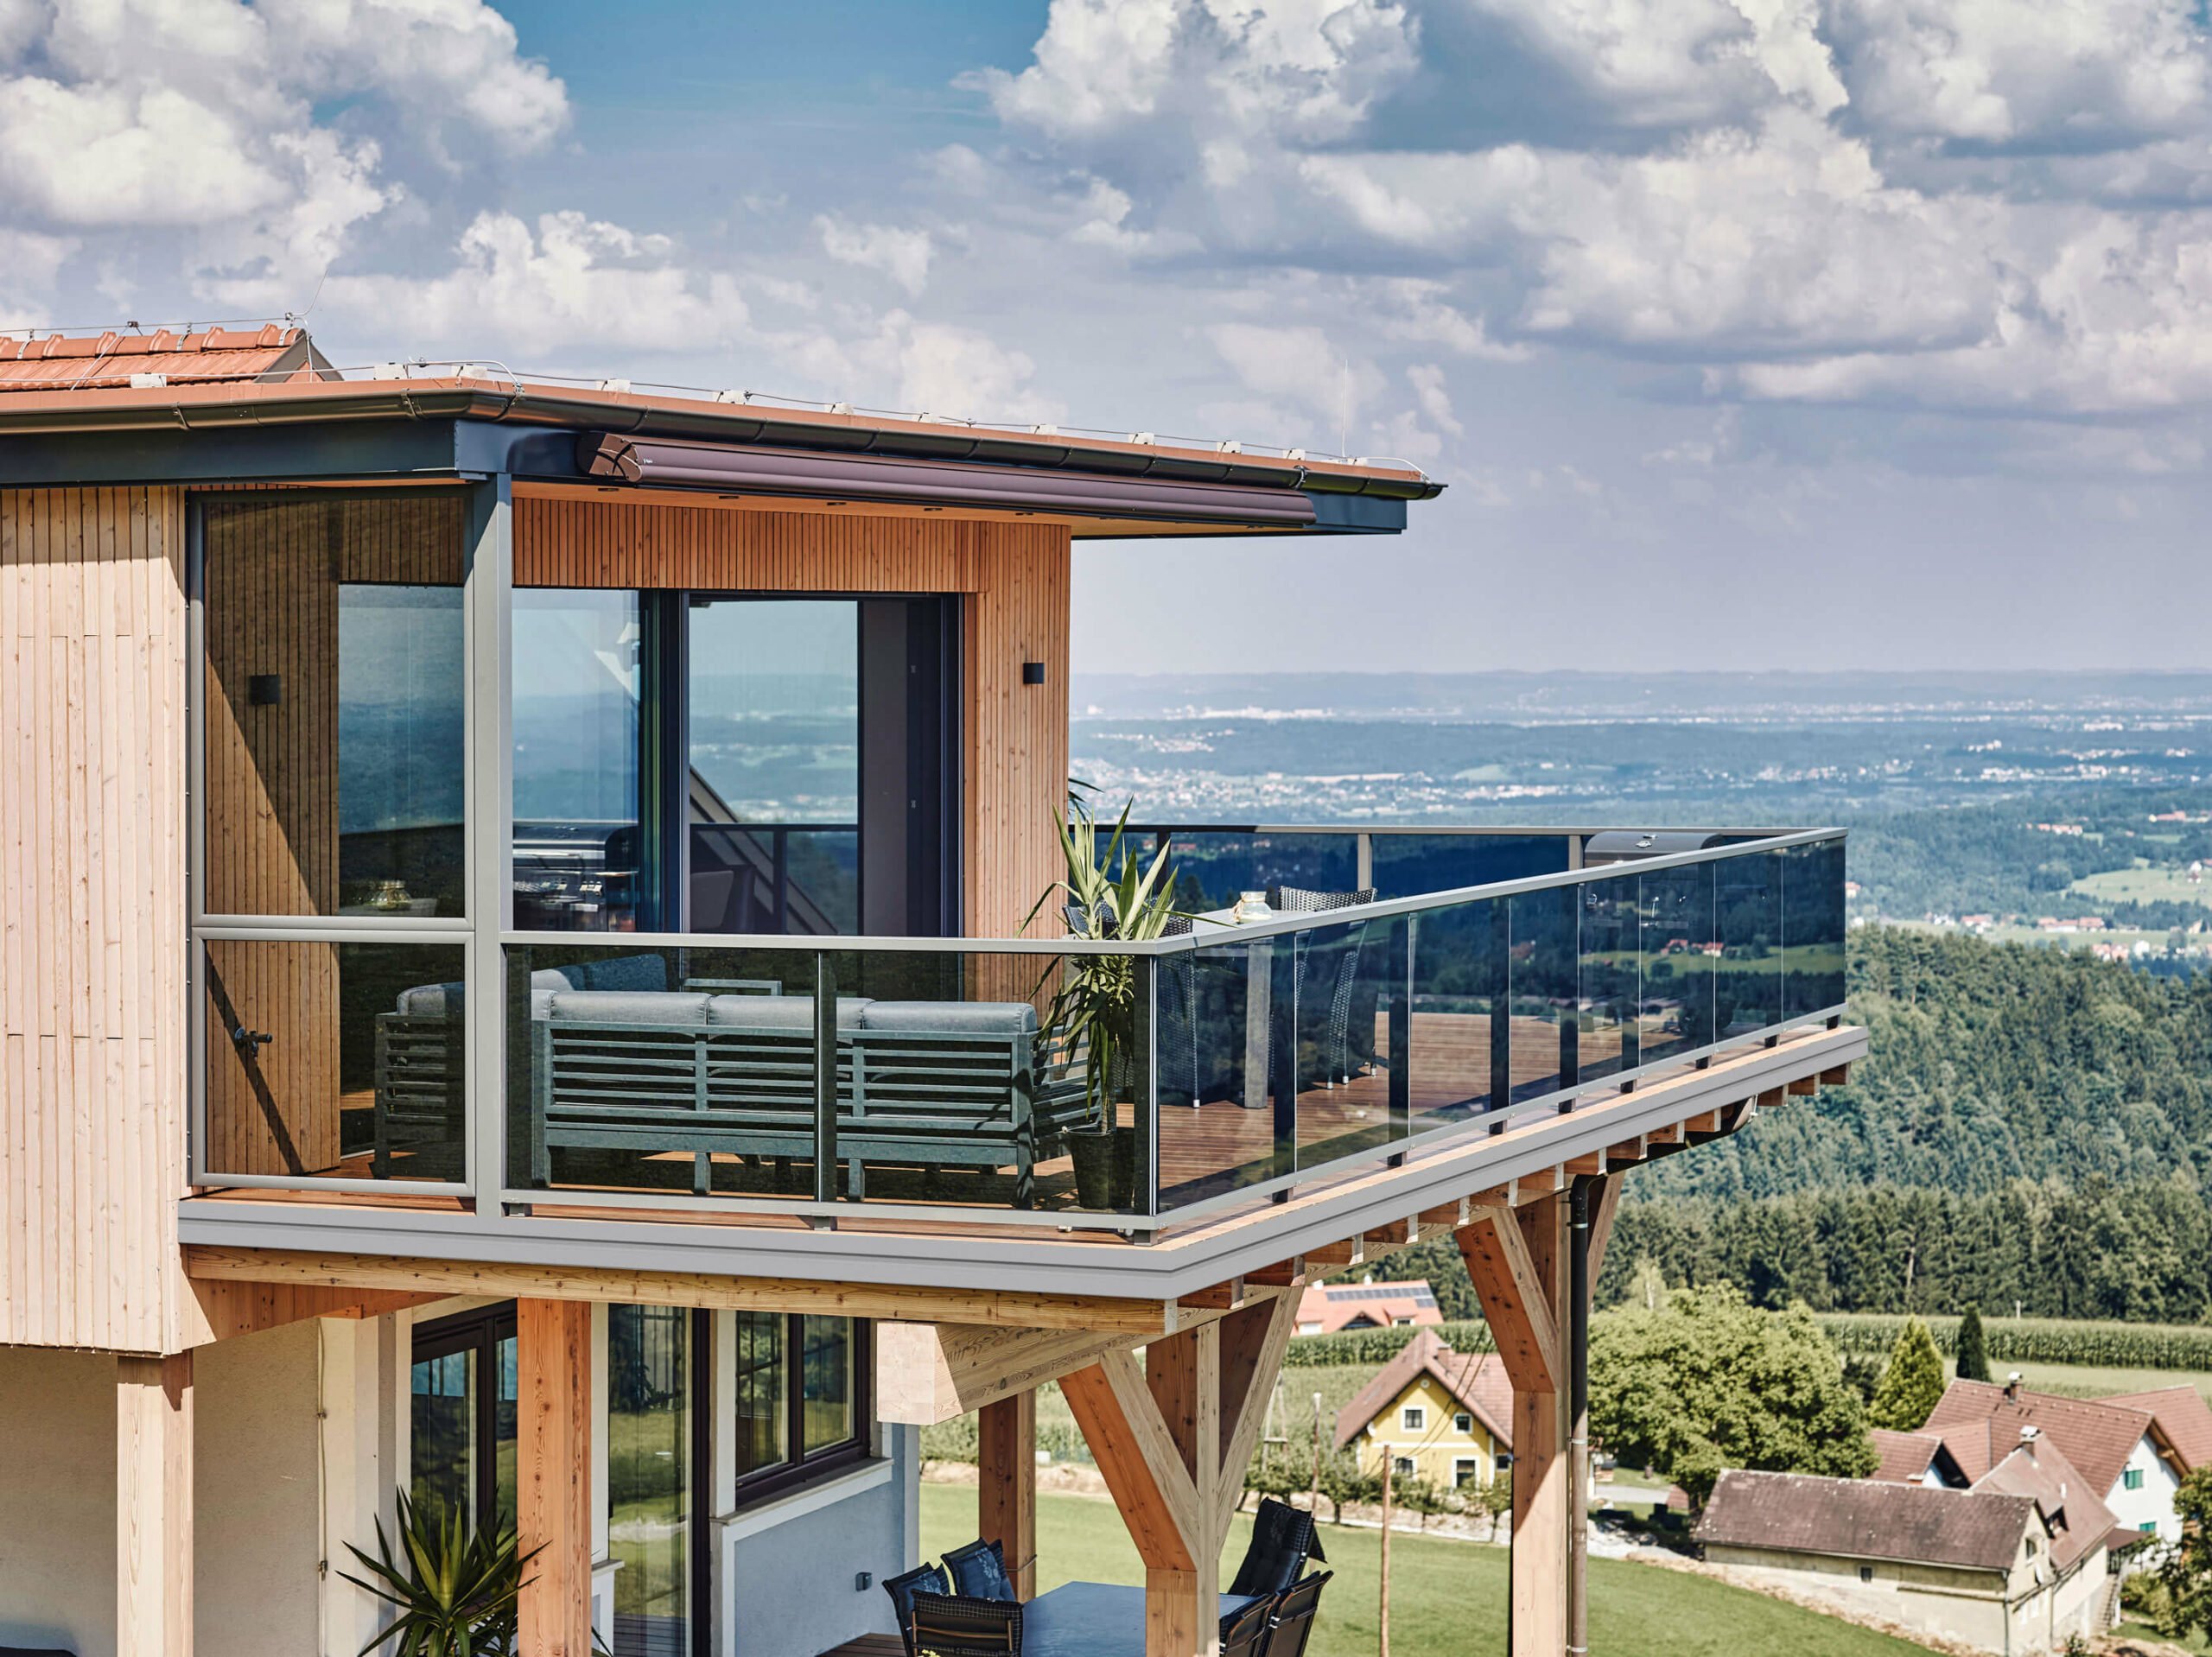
(869, 1645)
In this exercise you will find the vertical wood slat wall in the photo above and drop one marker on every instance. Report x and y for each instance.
(92, 949)
(1015, 579)
(273, 568)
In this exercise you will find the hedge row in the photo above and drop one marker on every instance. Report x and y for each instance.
(2027, 1340)
(2039, 1340)
(1379, 1346)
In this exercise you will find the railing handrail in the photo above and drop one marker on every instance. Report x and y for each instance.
(1198, 937)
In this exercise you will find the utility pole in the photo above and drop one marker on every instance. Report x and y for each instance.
(1313, 1501)
(1382, 1618)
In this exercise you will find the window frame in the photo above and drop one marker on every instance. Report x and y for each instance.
(2132, 1478)
(1463, 1423)
(479, 1329)
(1413, 1418)
(798, 1468)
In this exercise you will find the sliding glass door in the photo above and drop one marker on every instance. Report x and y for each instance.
(655, 1447)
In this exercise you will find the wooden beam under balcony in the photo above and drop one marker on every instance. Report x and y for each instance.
(928, 1373)
(1005, 1309)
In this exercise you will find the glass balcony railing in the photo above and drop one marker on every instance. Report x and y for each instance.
(1128, 1084)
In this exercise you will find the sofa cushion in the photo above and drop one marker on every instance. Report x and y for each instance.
(544, 985)
(631, 1006)
(953, 1018)
(781, 1011)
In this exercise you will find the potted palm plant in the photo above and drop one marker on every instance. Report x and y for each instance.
(1107, 893)
(455, 1587)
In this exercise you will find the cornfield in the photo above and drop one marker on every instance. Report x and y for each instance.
(2038, 1340)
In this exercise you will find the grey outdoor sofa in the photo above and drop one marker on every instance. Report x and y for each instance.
(620, 1063)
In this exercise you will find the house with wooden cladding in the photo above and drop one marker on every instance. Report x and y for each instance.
(522, 981)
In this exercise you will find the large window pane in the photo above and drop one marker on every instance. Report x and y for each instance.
(399, 750)
(826, 1378)
(760, 1434)
(774, 722)
(442, 1442)
(333, 697)
(335, 1059)
(648, 1477)
(580, 855)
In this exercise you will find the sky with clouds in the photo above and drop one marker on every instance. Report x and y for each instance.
(1745, 332)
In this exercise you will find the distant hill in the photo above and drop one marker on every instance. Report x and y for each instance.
(1990, 1064)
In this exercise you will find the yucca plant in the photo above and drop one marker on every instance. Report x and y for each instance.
(455, 1586)
(1112, 895)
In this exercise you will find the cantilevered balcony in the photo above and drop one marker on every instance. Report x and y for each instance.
(946, 1086)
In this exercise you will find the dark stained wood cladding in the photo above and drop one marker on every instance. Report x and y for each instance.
(1016, 580)
(273, 568)
(92, 952)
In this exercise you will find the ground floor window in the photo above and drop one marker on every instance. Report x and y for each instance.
(1403, 1467)
(801, 1399)
(462, 1415)
(1467, 1472)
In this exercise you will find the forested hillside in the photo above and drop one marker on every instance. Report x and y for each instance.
(1989, 1064)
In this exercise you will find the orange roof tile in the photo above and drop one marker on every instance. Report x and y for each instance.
(2183, 1416)
(2064, 1496)
(60, 363)
(1981, 1424)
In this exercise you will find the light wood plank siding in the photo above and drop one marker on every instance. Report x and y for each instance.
(92, 949)
(273, 570)
(1015, 577)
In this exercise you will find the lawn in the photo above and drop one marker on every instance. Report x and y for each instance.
(1447, 1599)
(2144, 885)
(2090, 1380)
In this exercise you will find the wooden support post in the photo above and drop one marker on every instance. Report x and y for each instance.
(153, 1507)
(553, 1474)
(1006, 1474)
(1171, 1438)
(1518, 1260)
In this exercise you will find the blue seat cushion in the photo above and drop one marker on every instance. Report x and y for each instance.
(979, 1572)
(433, 1001)
(781, 1011)
(923, 1579)
(623, 972)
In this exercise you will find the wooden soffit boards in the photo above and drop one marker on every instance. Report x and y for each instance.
(568, 537)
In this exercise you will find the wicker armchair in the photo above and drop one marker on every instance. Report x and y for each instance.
(1244, 1634)
(1284, 1538)
(1291, 1625)
(952, 1625)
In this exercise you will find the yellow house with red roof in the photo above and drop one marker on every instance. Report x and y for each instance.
(1441, 1416)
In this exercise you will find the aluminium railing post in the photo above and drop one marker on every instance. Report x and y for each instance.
(1408, 930)
(1146, 1197)
(825, 1079)
(488, 809)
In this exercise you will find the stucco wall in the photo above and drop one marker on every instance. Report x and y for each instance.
(2154, 1502)
(57, 1500)
(1437, 1445)
(258, 1520)
(789, 1587)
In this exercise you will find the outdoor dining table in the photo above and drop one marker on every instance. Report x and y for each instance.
(1094, 1618)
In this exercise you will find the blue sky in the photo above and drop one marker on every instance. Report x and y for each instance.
(1747, 333)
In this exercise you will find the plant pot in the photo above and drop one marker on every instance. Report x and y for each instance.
(1093, 1156)
(1125, 1168)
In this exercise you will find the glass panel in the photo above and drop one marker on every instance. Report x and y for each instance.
(648, 1477)
(762, 880)
(580, 853)
(336, 1059)
(1228, 1116)
(1543, 988)
(1812, 928)
(826, 1382)
(1212, 865)
(762, 1421)
(1459, 1022)
(1748, 987)
(400, 833)
(1413, 866)
(504, 1396)
(1680, 950)
(333, 699)
(1349, 985)
(442, 1439)
(1609, 952)
(694, 1069)
(775, 744)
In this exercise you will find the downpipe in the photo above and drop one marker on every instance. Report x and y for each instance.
(1577, 1457)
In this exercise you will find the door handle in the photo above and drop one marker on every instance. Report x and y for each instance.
(250, 1042)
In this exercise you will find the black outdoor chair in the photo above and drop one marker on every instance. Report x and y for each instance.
(1292, 1625)
(979, 1572)
(922, 1579)
(1283, 1539)
(1244, 1634)
(953, 1625)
